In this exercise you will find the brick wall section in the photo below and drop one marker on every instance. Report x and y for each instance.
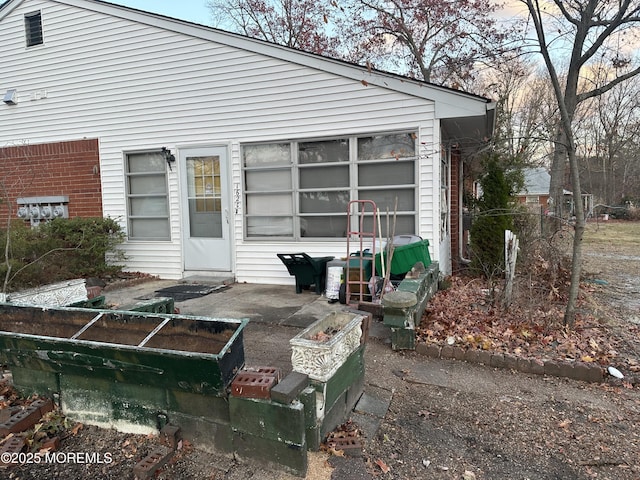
(456, 210)
(51, 169)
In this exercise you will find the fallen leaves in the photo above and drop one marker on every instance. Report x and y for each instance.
(383, 466)
(463, 315)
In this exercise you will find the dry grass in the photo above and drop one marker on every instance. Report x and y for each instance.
(616, 233)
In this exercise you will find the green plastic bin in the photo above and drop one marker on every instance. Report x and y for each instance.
(406, 256)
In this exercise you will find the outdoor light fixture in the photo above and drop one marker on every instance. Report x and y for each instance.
(11, 97)
(168, 156)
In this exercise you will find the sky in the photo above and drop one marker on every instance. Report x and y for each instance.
(196, 10)
(191, 10)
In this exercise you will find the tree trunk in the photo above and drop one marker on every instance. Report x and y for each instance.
(556, 186)
(579, 227)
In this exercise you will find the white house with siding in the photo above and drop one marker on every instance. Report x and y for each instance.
(264, 146)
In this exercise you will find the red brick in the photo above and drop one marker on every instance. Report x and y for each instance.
(13, 445)
(52, 444)
(157, 459)
(170, 436)
(252, 385)
(21, 421)
(271, 371)
(44, 405)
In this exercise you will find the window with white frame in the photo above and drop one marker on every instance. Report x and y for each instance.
(147, 197)
(301, 189)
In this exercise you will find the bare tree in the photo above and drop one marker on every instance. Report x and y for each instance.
(595, 30)
(300, 24)
(439, 41)
(609, 133)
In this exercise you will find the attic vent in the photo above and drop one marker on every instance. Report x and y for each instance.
(33, 28)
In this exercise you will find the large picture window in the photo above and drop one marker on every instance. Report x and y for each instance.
(147, 197)
(302, 189)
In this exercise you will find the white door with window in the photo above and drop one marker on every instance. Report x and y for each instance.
(205, 209)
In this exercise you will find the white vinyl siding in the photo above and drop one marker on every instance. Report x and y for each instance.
(140, 82)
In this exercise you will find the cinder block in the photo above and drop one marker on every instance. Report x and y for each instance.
(312, 430)
(290, 457)
(210, 407)
(33, 381)
(252, 385)
(403, 339)
(202, 431)
(288, 389)
(261, 418)
(157, 459)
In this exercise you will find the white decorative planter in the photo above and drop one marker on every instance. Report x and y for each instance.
(321, 359)
(52, 295)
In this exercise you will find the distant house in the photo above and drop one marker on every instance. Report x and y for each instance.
(216, 151)
(536, 187)
(537, 183)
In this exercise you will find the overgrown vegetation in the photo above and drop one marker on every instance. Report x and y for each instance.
(60, 250)
(494, 214)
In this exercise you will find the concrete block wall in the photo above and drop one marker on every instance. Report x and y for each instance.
(296, 416)
(403, 309)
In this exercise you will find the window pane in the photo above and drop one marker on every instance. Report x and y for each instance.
(397, 173)
(268, 155)
(324, 202)
(333, 226)
(146, 163)
(398, 145)
(269, 204)
(147, 184)
(324, 151)
(269, 226)
(149, 228)
(147, 196)
(149, 206)
(324, 177)
(386, 199)
(268, 180)
(405, 224)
